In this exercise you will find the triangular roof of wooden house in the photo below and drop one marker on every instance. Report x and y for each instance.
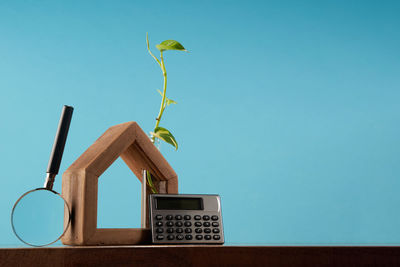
(130, 142)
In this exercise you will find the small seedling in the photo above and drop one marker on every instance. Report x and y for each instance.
(159, 132)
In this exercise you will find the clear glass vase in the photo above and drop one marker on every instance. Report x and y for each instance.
(157, 142)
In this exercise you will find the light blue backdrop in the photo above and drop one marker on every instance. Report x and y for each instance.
(287, 109)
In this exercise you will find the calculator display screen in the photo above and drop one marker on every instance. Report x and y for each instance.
(179, 203)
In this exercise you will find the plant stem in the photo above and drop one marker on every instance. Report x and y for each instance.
(148, 175)
(162, 107)
(160, 113)
(148, 49)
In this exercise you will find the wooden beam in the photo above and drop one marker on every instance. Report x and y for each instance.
(206, 255)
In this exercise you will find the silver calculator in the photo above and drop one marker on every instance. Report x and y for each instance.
(186, 219)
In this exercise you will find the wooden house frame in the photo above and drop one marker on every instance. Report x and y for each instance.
(80, 184)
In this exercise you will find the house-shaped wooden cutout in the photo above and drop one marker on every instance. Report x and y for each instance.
(80, 184)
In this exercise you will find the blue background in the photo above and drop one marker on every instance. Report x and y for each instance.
(287, 109)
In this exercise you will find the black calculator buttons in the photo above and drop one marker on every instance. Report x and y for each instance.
(178, 228)
(216, 237)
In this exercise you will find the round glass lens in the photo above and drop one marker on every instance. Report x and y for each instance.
(38, 217)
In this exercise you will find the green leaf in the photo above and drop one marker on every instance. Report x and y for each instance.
(170, 101)
(170, 45)
(166, 136)
(167, 100)
(150, 183)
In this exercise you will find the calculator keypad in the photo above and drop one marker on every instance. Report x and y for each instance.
(180, 228)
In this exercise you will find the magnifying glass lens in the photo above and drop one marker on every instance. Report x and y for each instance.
(38, 217)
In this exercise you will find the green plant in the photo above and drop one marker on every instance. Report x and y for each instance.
(159, 132)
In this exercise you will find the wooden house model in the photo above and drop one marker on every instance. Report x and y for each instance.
(80, 184)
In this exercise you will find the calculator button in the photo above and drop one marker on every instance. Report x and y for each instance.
(170, 237)
(215, 224)
(188, 237)
(188, 230)
(206, 217)
(179, 224)
(214, 217)
(169, 217)
(207, 237)
(170, 224)
(160, 237)
(159, 223)
(216, 237)
(159, 217)
(160, 230)
(188, 224)
(197, 217)
(199, 237)
(215, 230)
(198, 230)
(179, 237)
(179, 230)
(198, 224)
(178, 217)
(206, 224)
(170, 230)
(187, 217)
(207, 230)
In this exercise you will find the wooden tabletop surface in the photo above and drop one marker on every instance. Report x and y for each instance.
(202, 256)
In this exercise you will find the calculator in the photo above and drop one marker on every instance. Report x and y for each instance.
(186, 219)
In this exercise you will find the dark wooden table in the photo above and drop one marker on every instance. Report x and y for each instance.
(202, 256)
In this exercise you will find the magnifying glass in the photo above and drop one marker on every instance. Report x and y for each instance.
(37, 217)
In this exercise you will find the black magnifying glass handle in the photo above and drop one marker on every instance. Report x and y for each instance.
(58, 146)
